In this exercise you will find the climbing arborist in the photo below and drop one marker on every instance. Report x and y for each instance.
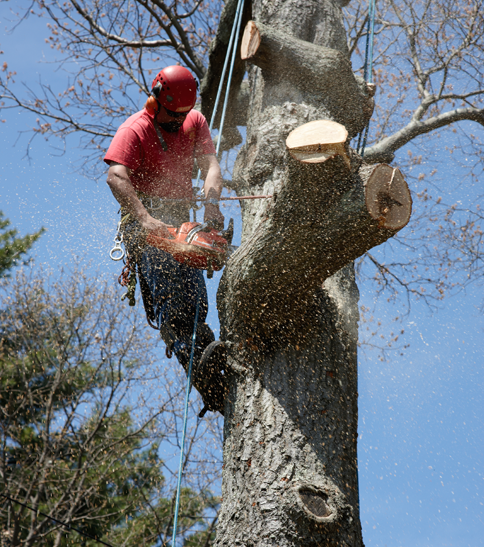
(151, 161)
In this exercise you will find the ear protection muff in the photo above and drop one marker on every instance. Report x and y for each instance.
(152, 105)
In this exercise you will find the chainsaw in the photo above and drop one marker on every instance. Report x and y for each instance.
(198, 245)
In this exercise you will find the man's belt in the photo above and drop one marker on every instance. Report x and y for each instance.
(155, 202)
(174, 212)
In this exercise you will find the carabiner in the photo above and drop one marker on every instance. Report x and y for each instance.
(118, 239)
(117, 249)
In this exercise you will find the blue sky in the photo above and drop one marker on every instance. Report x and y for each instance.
(421, 435)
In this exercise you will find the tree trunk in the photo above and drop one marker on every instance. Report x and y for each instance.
(288, 302)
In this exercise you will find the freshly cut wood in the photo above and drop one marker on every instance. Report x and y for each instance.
(316, 133)
(250, 41)
(387, 196)
(318, 141)
(371, 89)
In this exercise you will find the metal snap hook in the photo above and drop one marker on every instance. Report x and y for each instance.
(117, 249)
(118, 239)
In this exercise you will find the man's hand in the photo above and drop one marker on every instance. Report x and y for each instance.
(156, 227)
(212, 187)
(212, 212)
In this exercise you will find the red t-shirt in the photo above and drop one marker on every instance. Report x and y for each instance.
(155, 172)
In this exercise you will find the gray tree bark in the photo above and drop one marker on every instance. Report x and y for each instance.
(288, 302)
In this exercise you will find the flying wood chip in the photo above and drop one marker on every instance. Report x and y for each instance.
(318, 141)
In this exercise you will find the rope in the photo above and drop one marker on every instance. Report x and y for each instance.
(234, 33)
(185, 419)
(231, 198)
(245, 197)
(237, 22)
(232, 46)
(68, 526)
(368, 68)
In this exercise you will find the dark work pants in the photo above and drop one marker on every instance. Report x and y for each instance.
(174, 289)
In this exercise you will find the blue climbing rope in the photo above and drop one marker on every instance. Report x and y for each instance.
(237, 23)
(232, 48)
(368, 68)
(185, 420)
(234, 33)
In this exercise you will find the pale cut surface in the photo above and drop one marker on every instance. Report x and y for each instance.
(388, 198)
(317, 156)
(318, 141)
(312, 135)
(250, 41)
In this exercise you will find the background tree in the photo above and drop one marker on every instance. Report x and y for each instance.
(80, 434)
(110, 51)
(12, 247)
(418, 20)
(429, 84)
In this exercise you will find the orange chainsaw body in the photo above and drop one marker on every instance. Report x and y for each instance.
(194, 244)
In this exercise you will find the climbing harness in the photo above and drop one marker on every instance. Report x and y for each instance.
(368, 69)
(128, 279)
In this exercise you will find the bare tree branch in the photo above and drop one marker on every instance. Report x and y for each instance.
(384, 150)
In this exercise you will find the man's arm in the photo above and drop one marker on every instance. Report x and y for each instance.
(212, 187)
(122, 189)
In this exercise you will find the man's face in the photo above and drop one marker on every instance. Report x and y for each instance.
(170, 121)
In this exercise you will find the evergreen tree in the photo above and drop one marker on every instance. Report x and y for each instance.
(77, 442)
(12, 248)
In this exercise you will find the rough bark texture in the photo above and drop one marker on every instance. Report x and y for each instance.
(292, 425)
(303, 72)
(290, 472)
(318, 222)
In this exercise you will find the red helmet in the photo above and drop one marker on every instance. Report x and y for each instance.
(175, 88)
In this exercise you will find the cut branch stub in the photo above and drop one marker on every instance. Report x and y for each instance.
(387, 197)
(250, 41)
(318, 141)
(330, 218)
